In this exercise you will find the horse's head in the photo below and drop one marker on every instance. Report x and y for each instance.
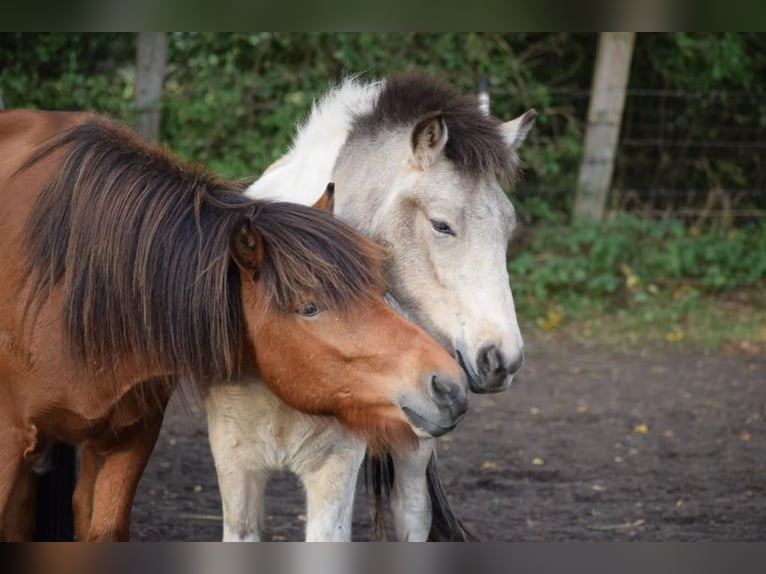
(432, 190)
(322, 336)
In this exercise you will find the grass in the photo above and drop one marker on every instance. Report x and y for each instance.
(733, 322)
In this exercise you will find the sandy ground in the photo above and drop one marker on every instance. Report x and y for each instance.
(589, 444)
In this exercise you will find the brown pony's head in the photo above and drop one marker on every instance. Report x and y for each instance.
(323, 337)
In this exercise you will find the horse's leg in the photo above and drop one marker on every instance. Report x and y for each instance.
(16, 485)
(82, 501)
(242, 473)
(242, 497)
(21, 508)
(56, 478)
(410, 501)
(330, 493)
(117, 477)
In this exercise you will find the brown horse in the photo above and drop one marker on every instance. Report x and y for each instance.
(124, 269)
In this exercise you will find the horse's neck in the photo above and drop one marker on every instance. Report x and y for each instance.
(287, 439)
(302, 175)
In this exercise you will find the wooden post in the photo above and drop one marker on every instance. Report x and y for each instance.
(150, 75)
(607, 100)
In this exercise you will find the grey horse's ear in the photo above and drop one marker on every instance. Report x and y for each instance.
(327, 201)
(515, 131)
(428, 139)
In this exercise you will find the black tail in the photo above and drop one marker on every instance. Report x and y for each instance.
(445, 526)
(379, 475)
(54, 516)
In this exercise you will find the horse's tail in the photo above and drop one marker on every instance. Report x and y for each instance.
(54, 516)
(445, 525)
(379, 476)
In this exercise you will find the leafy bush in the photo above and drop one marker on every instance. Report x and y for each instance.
(80, 71)
(231, 101)
(630, 261)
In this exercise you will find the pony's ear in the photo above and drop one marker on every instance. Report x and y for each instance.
(428, 139)
(517, 129)
(247, 247)
(327, 201)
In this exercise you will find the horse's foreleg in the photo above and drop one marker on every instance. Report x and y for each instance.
(242, 497)
(116, 479)
(242, 473)
(410, 502)
(330, 494)
(82, 501)
(16, 486)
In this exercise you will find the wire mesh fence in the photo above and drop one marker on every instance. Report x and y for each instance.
(696, 155)
(693, 154)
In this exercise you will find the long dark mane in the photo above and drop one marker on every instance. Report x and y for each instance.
(475, 144)
(141, 244)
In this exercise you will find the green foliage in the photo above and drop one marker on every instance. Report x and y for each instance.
(630, 262)
(703, 60)
(68, 71)
(231, 101)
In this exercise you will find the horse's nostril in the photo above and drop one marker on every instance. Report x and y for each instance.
(442, 386)
(450, 394)
(515, 366)
(490, 360)
(495, 366)
(482, 361)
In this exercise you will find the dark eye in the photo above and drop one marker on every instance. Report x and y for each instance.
(441, 227)
(307, 309)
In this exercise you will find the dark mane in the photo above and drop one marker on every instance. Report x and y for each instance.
(141, 244)
(475, 144)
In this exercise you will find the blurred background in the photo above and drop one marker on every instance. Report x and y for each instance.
(644, 194)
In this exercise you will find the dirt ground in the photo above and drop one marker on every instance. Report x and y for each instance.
(589, 444)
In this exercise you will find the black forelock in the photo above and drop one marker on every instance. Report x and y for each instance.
(475, 144)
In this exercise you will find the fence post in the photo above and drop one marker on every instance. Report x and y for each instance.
(607, 100)
(151, 53)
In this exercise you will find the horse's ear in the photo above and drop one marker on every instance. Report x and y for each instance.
(515, 131)
(247, 247)
(327, 201)
(428, 139)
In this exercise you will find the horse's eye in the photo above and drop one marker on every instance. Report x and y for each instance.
(308, 309)
(441, 227)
